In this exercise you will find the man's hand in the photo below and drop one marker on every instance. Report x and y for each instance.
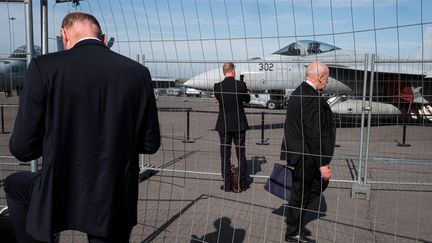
(325, 172)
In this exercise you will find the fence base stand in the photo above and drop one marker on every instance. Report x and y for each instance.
(145, 174)
(263, 142)
(360, 191)
(404, 145)
(188, 141)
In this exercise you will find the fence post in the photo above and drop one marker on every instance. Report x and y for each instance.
(359, 188)
(369, 122)
(403, 144)
(2, 119)
(263, 140)
(405, 119)
(188, 140)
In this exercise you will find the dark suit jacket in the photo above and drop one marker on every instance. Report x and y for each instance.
(89, 112)
(308, 128)
(231, 94)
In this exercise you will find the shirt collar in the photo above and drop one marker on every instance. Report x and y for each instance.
(88, 38)
(311, 84)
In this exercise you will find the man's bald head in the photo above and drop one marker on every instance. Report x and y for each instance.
(318, 73)
(78, 25)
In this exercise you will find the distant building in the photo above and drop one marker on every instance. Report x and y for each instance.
(163, 82)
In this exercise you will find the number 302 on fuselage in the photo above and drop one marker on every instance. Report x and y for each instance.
(266, 66)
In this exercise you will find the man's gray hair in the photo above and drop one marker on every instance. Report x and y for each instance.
(73, 17)
(228, 67)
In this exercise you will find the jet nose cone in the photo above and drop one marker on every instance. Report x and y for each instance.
(188, 83)
(205, 80)
(195, 82)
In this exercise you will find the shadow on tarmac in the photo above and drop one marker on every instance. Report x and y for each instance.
(224, 233)
(316, 209)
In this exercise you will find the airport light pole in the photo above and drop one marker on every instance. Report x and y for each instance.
(28, 10)
(44, 25)
(12, 20)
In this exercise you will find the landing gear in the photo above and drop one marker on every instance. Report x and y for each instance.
(271, 105)
(8, 93)
(277, 98)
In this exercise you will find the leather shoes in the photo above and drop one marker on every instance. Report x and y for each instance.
(225, 188)
(298, 238)
(306, 232)
(244, 187)
(236, 190)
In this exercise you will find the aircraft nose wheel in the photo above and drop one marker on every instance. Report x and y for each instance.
(271, 105)
(8, 93)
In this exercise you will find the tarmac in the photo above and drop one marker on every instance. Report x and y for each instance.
(182, 201)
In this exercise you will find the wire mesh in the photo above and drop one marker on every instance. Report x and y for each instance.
(180, 199)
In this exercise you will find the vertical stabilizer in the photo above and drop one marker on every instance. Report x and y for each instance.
(427, 43)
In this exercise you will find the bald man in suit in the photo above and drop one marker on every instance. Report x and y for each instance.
(308, 146)
(89, 112)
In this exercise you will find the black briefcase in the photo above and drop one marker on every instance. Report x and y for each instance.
(280, 181)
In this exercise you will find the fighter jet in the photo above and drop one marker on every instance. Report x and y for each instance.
(13, 68)
(399, 86)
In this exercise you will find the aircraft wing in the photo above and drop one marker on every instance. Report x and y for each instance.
(394, 68)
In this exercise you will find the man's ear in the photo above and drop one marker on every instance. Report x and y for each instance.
(320, 77)
(104, 39)
(65, 38)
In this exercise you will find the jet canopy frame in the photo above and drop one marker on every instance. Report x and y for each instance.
(306, 47)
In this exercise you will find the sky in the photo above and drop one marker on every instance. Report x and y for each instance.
(174, 32)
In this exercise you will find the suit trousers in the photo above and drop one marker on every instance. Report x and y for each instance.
(226, 139)
(306, 186)
(19, 187)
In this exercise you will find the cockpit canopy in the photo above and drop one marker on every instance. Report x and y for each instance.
(306, 47)
(21, 52)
